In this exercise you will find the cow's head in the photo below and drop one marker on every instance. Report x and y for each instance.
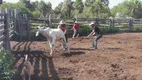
(39, 29)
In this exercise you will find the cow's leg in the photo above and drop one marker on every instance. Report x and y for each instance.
(23, 74)
(65, 44)
(29, 76)
(51, 47)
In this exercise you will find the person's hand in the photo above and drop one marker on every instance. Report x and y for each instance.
(88, 36)
(94, 34)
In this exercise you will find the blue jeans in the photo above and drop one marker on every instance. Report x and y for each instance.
(96, 38)
(76, 32)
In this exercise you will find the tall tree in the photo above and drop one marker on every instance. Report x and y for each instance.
(67, 8)
(58, 8)
(27, 4)
(88, 3)
(131, 8)
(78, 5)
(45, 8)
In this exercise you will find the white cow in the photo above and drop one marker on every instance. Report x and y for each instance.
(51, 35)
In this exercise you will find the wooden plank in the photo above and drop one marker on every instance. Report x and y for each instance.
(11, 27)
(1, 14)
(1, 20)
(2, 25)
(1, 30)
(1, 49)
(1, 43)
(11, 35)
(7, 39)
(11, 23)
(11, 31)
(2, 37)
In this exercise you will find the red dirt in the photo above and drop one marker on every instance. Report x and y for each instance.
(119, 57)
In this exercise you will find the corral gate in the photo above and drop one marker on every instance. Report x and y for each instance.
(6, 29)
(22, 25)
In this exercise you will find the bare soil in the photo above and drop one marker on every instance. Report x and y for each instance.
(118, 57)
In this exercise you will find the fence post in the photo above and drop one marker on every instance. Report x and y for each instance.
(6, 31)
(113, 22)
(18, 21)
(28, 27)
(97, 21)
(50, 23)
(131, 25)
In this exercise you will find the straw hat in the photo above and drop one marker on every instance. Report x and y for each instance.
(91, 23)
(62, 22)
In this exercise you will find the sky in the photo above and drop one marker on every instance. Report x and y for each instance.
(56, 2)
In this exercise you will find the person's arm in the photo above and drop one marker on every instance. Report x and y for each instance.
(65, 31)
(72, 27)
(91, 33)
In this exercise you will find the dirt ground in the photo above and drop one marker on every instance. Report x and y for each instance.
(118, 57)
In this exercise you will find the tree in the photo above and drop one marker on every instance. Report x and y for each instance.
(78, 5)
(131, 8)
(105, 2)
(45, 8)
(88, 3)
(58, 8)
(27, 4)
(67, 9)
(136, 11)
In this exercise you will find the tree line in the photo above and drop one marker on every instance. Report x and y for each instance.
(70, 9)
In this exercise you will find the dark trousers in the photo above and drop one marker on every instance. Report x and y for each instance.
(66, 36)
(96, 38)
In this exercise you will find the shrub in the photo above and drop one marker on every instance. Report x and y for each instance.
(35, 14)
(137, 28)
(110, 30)
(84, 30)
(7, 70)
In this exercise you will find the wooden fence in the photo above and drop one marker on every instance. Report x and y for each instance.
(6, 29)
(114, 22)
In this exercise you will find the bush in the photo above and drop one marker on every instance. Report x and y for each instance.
(110, 30)
(84, 30)
(7, 70)
(137, 28)
(35, 14)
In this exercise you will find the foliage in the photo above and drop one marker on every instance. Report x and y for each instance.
(67, 8)
(110, 30)
(128, 8)
(24, 10)
(7, 70)
(35, 14)
(84, 30)
(78, 6)
(137, 28)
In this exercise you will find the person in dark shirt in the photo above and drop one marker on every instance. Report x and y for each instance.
(96, 32)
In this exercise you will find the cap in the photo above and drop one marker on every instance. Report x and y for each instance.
(62, 22)
(91, 23)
